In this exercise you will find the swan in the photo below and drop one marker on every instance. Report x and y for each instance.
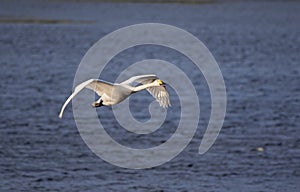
(114, 93)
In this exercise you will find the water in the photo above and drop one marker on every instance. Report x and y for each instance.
(256, 45)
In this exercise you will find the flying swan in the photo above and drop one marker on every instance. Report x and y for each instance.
(111, 94)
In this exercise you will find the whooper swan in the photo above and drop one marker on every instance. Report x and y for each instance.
(113, 93)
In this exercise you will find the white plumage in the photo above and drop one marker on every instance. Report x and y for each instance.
(111, 94)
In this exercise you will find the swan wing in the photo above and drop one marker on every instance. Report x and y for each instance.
(99, 86)
(143, 79)
(159, 93)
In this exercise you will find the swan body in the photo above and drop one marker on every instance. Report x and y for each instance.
(111, 94)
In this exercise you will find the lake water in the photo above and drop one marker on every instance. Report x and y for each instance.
(256, 44)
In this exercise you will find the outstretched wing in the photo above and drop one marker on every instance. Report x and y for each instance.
(159, 93)
(140, 79)
(96, 85)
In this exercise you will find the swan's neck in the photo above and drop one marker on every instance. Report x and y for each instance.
(142, 87)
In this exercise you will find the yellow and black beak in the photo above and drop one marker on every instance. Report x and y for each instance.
(160, 82)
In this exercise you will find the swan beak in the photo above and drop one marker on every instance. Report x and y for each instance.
(161, 82)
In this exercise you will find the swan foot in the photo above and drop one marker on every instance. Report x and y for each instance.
(97, 104)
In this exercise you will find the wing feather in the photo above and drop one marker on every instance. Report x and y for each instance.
(159, 93)
(96, 85)
(140, 79)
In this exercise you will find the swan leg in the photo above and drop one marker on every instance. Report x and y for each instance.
(98, 103)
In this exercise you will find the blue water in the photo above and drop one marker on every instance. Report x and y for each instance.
(256, 44)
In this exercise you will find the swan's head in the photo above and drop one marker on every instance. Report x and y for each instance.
(159, 82)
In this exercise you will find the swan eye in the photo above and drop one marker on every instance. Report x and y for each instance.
(160, 82)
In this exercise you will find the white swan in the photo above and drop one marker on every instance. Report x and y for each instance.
(111, 94)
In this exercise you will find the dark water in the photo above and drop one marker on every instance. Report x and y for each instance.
(256, 45)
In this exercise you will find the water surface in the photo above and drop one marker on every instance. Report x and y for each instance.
(256, 45)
